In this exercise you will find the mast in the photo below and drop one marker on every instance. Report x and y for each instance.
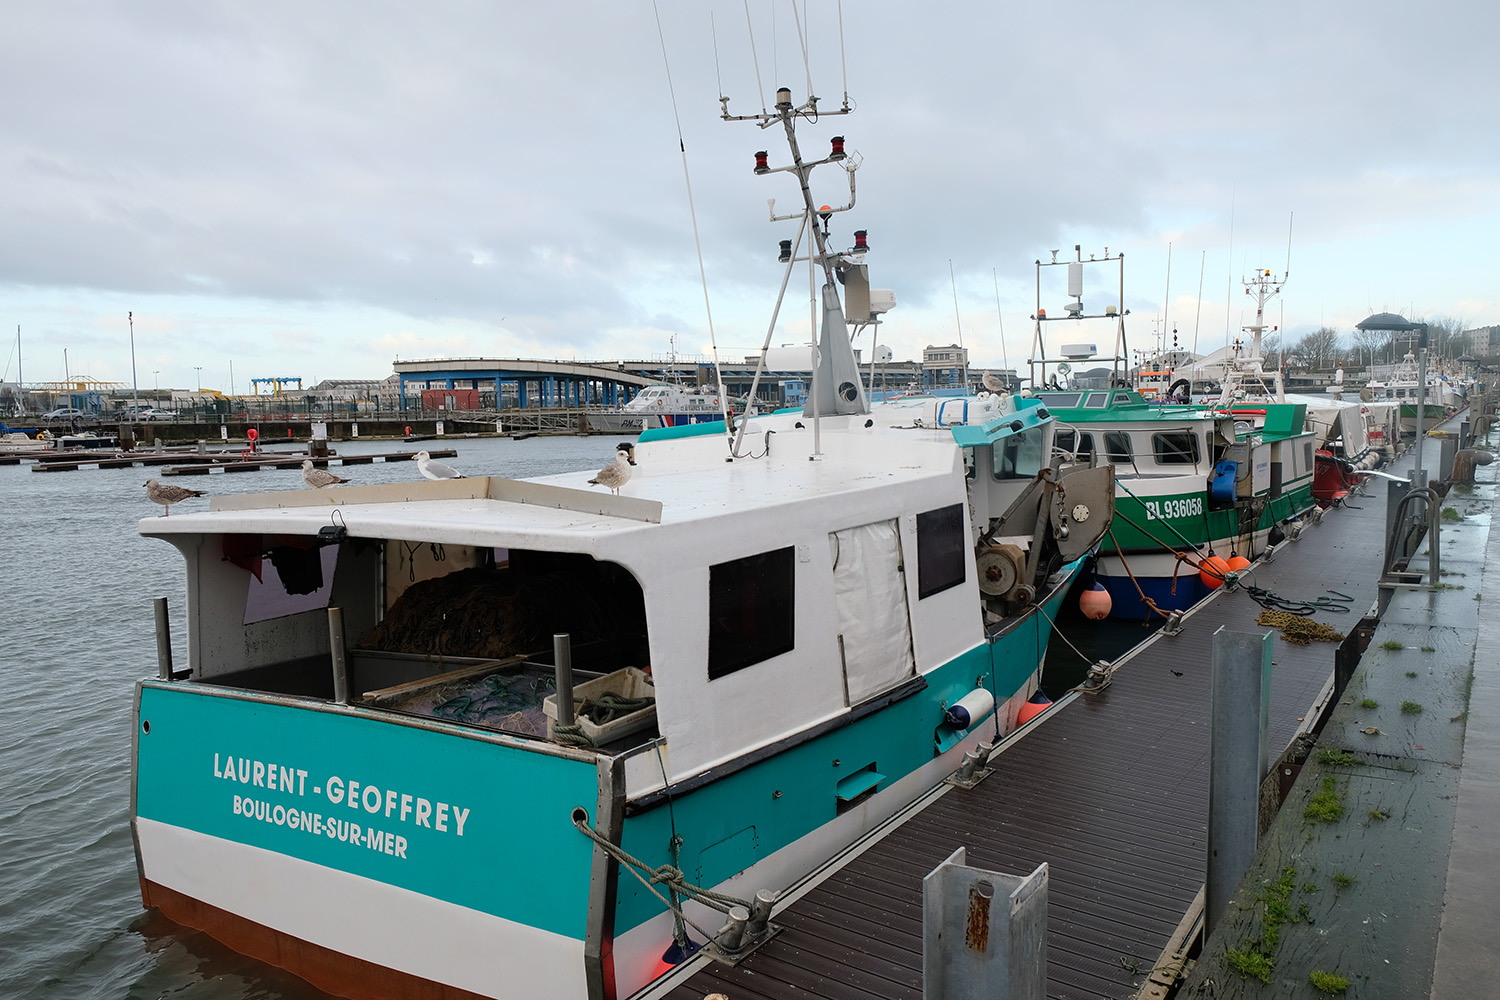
(1248, 372)
(837, 387)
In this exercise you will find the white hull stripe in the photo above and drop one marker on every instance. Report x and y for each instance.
(379, 923)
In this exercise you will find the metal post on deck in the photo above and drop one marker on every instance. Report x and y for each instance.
(340, 656)
(562, 656)
(1241, 682)
(163, 641)
(983, 933)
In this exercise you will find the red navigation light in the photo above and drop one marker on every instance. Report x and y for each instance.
(1041, 314)
(838, 148)
(760, 162)
(861, 238)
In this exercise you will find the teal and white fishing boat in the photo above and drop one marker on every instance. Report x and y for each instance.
(1192, 483)
(483, 737)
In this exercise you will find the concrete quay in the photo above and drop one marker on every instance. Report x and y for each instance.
(1381, 872)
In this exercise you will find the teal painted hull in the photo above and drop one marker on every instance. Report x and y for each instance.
(487, 824)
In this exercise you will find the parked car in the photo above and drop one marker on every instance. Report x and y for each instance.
(142, 413)
(64, 413)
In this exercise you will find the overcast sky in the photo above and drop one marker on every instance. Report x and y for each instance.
(317, 189)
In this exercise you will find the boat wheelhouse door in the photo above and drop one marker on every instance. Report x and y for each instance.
(869, 587)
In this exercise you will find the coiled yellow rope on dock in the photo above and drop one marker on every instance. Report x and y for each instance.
(1297, 629)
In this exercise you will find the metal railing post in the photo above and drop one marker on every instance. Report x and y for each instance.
(163, 641)
(1241, 682)
(983, 933)
(340, 655)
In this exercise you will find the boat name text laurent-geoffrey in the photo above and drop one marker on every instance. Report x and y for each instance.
(407, 808)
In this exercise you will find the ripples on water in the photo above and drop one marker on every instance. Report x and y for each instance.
(76, 632)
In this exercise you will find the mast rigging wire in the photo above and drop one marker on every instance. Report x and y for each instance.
(693, 213)
(1001, 317)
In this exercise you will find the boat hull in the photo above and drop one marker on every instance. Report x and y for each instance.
(1138, 562)
(364, 893)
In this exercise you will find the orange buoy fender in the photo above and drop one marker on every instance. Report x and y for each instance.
(1035, 705)
(1213, 572)
(1095, 602)
(1238, 564)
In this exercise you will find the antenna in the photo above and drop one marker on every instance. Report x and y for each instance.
(1001, 317)
(959, 323)
(1167, 301)
(1229, 273)
(1287, 273)
(1202, 264)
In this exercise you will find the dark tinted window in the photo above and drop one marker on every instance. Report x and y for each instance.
(1117, 447)
(1175, 448)
(1063, 399)
(1075, 443)
(750, 615)
(940, 550)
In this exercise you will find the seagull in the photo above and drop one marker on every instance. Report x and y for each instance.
(166, 494)
(435, 470)
(616, 473)
(993, 383)
(319, 478)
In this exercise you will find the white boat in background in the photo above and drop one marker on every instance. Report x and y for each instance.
(664, 405)
(378, 770)
(1400, 390)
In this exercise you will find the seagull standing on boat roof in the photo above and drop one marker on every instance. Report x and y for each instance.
(435, 470)
(993, 383)
(616, 473)
(318, 478)
(167, 494)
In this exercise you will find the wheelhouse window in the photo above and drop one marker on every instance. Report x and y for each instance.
(1075, 443)
(1019, 456)
(1175, 448)
(940, 550)
(750, 610)
(1117, 448)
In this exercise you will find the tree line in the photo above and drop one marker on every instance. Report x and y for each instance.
(1327, 347)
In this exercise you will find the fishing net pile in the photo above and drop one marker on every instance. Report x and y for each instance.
(487, 614)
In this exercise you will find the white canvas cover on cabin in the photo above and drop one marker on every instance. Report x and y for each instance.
(870, 593)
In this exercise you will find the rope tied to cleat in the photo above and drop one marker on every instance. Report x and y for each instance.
(669, 875)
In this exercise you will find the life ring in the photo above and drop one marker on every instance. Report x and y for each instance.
(658, 402)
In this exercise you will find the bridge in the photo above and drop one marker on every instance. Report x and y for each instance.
(533, 383)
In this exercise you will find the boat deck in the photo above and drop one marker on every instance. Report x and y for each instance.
(1109, 789)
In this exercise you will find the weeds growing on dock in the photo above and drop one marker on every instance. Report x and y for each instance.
(1326, 806)
(1369, 703)
(1411, 708)
(1328, 982)
(1256, 958)
(1334, 757)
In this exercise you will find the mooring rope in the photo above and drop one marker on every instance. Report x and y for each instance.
(670, 875)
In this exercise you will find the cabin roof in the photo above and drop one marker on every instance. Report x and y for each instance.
(674, 482)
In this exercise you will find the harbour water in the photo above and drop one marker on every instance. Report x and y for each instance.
(76, 632)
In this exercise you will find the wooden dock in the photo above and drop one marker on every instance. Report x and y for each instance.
(1109, 789)
(194, 463)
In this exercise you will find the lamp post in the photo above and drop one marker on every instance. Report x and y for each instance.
(199, 370)
(156, 379)
(135, 386)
